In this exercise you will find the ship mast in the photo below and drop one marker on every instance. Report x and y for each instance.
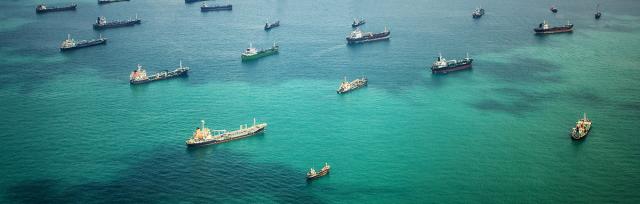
(254, 121)
(202, 121)
(181, 64)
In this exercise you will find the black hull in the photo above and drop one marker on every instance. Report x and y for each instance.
(213, 142)
(451, 69)
(192, 1)
(67, 8)
(375, 37)
(112, 1)
(116, 25)
(580, 138)
(223, 8)
(102, 42)
(563, 29)
(181, 74)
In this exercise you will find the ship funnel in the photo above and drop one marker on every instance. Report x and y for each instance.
(68, 36)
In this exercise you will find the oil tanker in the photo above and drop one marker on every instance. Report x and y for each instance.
(202, 135)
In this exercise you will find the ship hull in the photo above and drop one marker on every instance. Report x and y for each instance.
(100, 42)
(320, 174)
(192, 1)
(214, 142)
(259, 55)
(116, 25)
(563, 29)
(169, 76)
(451, 69)
(110, 1)
(222, 8)
(352, 89)
(578, 137)
(376, 37)
(66, 8)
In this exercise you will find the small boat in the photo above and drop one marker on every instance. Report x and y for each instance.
(583, 126)
(347, 86)
(553, 9)
(312, 174)
(478, 13)
(205, 7)
(358, 22)
(109, 1)
(71, 44)
(545, 28)
(268, 26)
(253, 53)
(42, 8)
(598, 14)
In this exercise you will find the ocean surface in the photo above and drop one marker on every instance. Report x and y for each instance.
(72, 129)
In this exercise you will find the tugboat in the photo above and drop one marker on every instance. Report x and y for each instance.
(70, 44)
(554, 9)
(253, 53)
(358, 36)
(478, 13)
(268, 26)
(205, 7)
(139, 76)
(347, 86)
(109, 1)
(312, 174)
(42, 8)
(202, 136)
(357, 22)
(598, 13)
(442, 66)
(544, 28)
(583, 126)
(101, 23)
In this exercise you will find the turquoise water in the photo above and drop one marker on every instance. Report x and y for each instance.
(74, 130)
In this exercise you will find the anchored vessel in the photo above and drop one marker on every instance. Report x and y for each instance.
(442, 66)
(102, 23)
(139, 76)
(312, 174)
(42, 8)
(582, 128)
(70, 44)
(357, 22)
(268, 26)
(109, 1)
(192, 1)
(478, 13)
(598, 13)
(553, 9)
(202, 136)
(253, 53)
(347, 86)
(544, 28)
(358, 36)
(205, 7)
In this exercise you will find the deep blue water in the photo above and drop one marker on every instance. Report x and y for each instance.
(74, 131)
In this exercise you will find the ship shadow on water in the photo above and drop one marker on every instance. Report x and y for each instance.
(205, 175)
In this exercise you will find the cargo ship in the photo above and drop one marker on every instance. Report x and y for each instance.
(553, 9)
(139, 75)
(544, 28)
(71, 44)
(358, 36)
(357, 22)
(202, 136)
(478, 13)
(583, 126)
(102, 23)
(312, 174)
(443, 66)
(347, 86)
(42, 8)
(205, 7)
(192, 1)
(109, 1)
(253, 53)
(268, 26)
(598, 14)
